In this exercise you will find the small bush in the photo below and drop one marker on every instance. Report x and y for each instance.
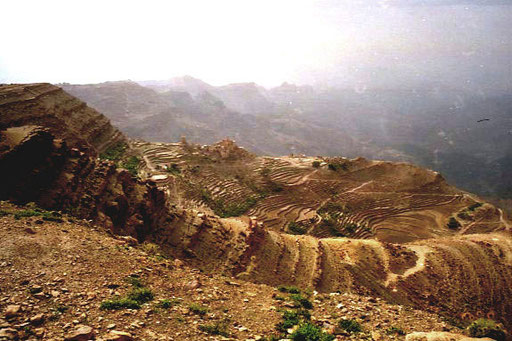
(198, 309)
(310, 332)
(119, 303)
(453, 223)
(131, 164)
(166, 303)
(395, 330)
(350, 325)
(174, 168)
(295, 228)
(301, 301)
(316, 164)
(141, 295)
(216, 328)
(474, 206)
(464, 215)
(114, 152)
(292, 318)
(486, 328)
(289, 289)
(135, 281)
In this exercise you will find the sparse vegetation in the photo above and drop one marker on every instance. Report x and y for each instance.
(114, 152)
(216, 328)
(174, 168)
(474, 206)
(141, 295)
(292, 318)
(133, 300)
(289, 289)
(336, 166)
(453, 223)
(131, 164)
(350, 325)
(301, 301)
(395, 330)
(226, 210)
(309, 332)
(167, 303)
(198, 309)
(119, 303)
(316, 164)
(31, 210)
(295, 228)
(486, 328)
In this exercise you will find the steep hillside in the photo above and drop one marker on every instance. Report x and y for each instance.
(67, 117)
(204, 118)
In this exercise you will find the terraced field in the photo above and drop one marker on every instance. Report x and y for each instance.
(393, 202)
(388, 229)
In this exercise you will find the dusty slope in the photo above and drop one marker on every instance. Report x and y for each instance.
(65, 270)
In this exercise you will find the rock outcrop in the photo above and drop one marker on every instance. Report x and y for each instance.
(36, 167)
(65, 116)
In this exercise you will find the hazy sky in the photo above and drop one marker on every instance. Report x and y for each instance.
(374, 43)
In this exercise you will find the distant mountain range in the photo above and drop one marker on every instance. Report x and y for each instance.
(431, 126)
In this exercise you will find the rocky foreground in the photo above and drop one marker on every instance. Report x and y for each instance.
(55, 277)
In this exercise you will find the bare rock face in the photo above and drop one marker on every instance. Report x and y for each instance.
(36, 167)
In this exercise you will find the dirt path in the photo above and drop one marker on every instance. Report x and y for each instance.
(421, 252)
(359, 187)
(503, 220)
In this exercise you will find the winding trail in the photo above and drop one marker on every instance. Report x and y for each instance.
(421, 252)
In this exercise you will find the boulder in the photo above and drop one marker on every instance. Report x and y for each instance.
(12, 311)
(116, 335)
(81, 333)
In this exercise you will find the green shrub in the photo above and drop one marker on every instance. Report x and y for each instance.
(216, 328)
(350, 325)
(316, 164)
(37, 212)
(166, 303)
(310, 332)
(395, 330)
(114, 152)
(474, 206)
(134, 281)
(174, 168)
(453, 223)
(141, 295)
(292, 318)
(350, 228)
(198, 309)
(131, 164)
(486, 328)
(295, 228)
(464, 215)
(289, 289)
(301, 301)
(119, 303)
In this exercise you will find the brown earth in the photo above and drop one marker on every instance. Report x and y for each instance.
(64, 271)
